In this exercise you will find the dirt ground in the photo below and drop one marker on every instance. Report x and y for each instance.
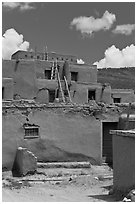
(60, 185)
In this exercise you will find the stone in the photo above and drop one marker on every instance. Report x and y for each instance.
(25, 163)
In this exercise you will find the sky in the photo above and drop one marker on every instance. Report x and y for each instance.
(101, 33)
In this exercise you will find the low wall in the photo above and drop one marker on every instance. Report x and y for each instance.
(123, 160)
(63, 136)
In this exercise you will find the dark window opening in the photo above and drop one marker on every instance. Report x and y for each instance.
(65, 93)
(74, 76)
(62, 59)
(2, 92)
(71, 60)
(26, 56)
(91, 95)
(117, 100)
(51, 96)
(57, 58)
(47, 74)
(31, 56)
(38, 57)
(31, 132)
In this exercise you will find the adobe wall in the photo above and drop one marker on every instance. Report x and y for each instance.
(8, 90)
(29, 79)
(63, 137)
(8, 68)
(81, 94)
(41, 56)
(126, 96)
(85, 73)
(23, 74)
(123, 160)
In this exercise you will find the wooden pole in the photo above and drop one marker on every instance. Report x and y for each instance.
(47, 52)
(62, 93)
(66, 83)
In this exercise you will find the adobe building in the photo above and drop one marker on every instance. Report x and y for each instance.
(33, 78)
(122, 95)
(59, 136)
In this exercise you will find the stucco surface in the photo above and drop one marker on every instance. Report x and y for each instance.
(123, 162)
(63, 137)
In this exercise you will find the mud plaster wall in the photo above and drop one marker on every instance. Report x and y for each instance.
(29, 77)
(85, 73)
(63, 137)
(81, 94)
(23, 74)
(51, 56)
(7, 84)
(123, 162)
(126, 97)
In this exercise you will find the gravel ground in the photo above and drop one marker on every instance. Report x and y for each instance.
(60, 185)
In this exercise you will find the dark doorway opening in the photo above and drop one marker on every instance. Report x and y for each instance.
(57, 93)
(91, 95)
(2, 92)
(117, 100)
(47, 74)
(51, 96)
(107, 147)
(74, 76)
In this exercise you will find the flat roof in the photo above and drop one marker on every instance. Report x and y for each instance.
(125, 133)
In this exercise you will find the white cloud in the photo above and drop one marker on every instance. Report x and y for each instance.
(89, 25)
(22, 6)
(116, 58)
(11, 42)
(80, 61)
(124, 29)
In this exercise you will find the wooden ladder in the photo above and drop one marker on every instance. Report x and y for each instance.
(66, 83)
(56, 75)
(53, 71)
(60, 86)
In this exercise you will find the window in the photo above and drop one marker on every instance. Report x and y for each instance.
(47, 74)
(31, 132)
(91, 95)
(62, 59)
(31, 56)
(74, 76)
(2, 92)
(117, 100)
(26, 56)
(38, 57)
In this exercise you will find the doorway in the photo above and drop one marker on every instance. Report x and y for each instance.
(2, 92)
(51, 96)
(107, 147)
(47, 74)
(91, 95)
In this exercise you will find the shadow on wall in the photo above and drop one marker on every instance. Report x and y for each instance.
(63, 137)
(44, 150)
